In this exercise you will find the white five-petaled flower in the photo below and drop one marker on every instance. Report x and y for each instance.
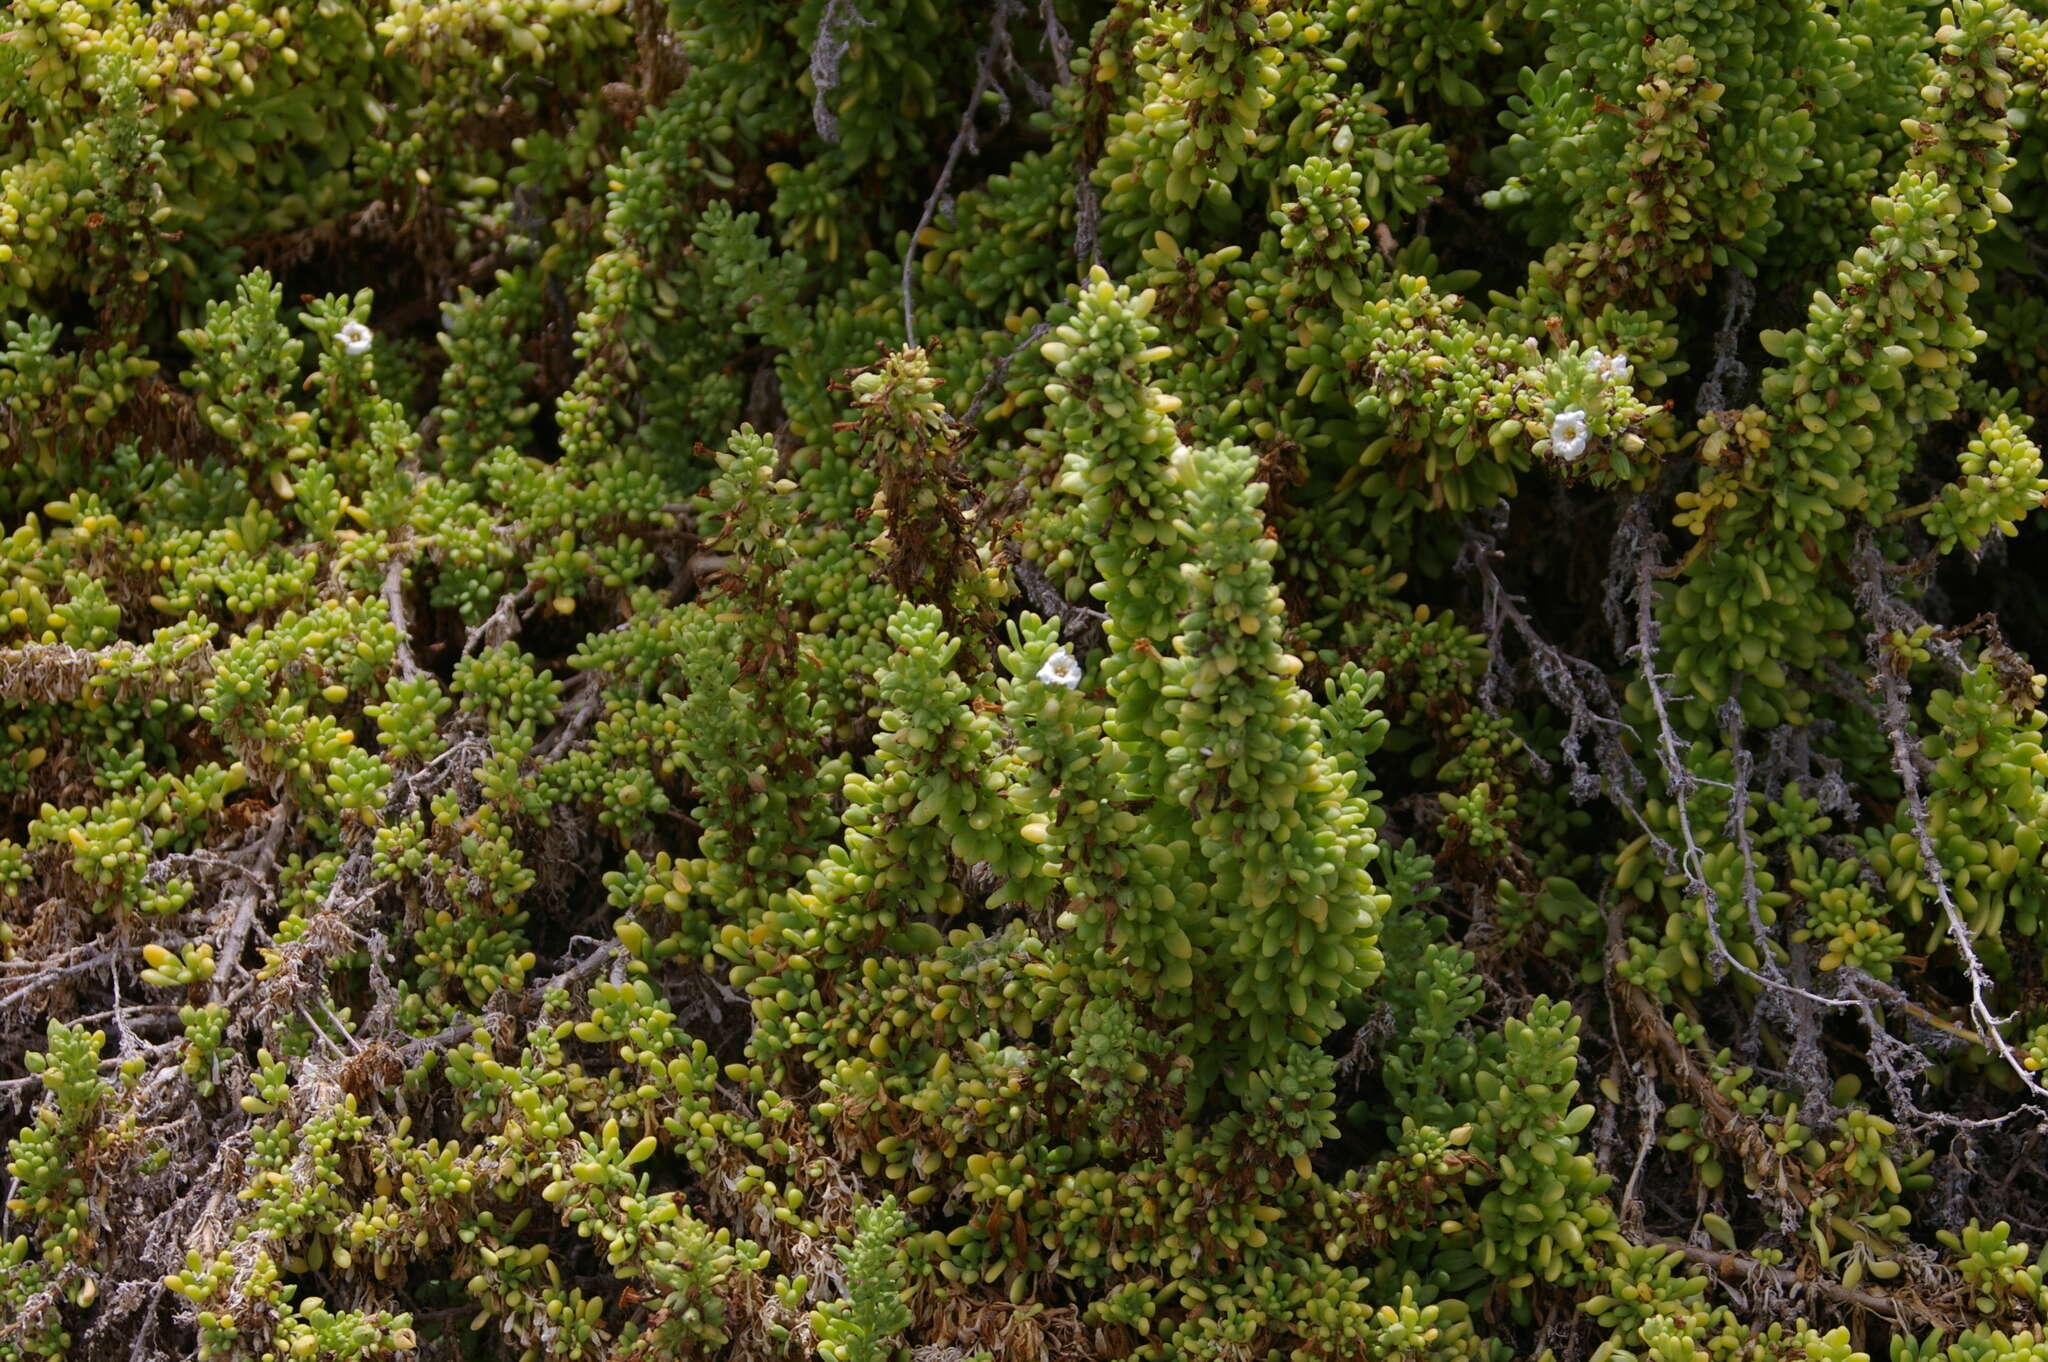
(354, 337)
(1061, 670)
(1568, 434)
(1612, 368)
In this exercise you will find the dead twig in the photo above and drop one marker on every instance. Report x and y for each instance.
(501, 624)
(262, 860)
(828, 49)
(1903, 1308)
(1080, 625)
(52, 976)
(1087, 203)
(1721, 1120)
(1681, 780)
(589, 701)
(988, 387)
(394, 602)
(1885, 616)
(994, 53)
(1578, 688)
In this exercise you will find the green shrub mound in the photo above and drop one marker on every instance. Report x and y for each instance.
(1247, 680)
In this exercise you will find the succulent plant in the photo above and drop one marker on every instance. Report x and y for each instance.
(1283, 679)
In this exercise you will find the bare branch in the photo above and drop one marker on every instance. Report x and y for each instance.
(1729, 374)
(1883, 613)
(827, 51)
(994, 53)
(394, 601)
(588, 702)
(1680, 779)
(502, 623)
(1907, 1309)
(262, 859)
(1775, 1176)
(1578, 688)
(50, 976)
(1080, 625)
(988, 387)
(1087, 203)
(1861, 991)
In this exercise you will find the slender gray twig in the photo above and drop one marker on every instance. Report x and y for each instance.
(827, 51)
(1087, 203)
(993, 53)
(987, 390)
(1877, 609)
(394, 602)
(1680, 778)
(1578, 688)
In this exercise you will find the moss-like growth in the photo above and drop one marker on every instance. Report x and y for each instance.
(1191, 679)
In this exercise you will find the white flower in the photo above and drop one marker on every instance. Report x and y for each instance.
(1061, 670)
(1533, 344)
(1568, 434)
(354, 337)
(1609, 368)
